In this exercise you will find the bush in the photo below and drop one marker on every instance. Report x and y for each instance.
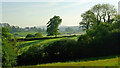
(30, 36)
(31, 57)
(9, 56)
(60, 50)
(38, 35)
(8, 53)
(101, 40)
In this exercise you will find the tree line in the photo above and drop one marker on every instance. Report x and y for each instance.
(19, 29)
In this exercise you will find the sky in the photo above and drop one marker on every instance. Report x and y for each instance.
(25, 13)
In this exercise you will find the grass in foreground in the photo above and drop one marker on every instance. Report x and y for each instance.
(102, 62)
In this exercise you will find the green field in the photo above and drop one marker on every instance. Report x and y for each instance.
(103, 62)
(23, 34)
(100, 62)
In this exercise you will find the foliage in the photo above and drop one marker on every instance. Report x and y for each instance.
(32, 56)
(20, 32)
(88, 20)
(8, 52)
(38, 35)
(97, 14)
(102, 38)
(55, 51)
(30, 36)
(104, 12)
(39, 49)
(52, 27)
(5, 33)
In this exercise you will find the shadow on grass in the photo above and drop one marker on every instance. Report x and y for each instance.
(29, 43)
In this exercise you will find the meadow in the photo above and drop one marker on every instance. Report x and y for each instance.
(102, 62)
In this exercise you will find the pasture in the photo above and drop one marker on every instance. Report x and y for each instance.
(102, 63)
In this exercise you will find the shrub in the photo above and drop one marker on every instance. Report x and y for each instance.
(38, 35)
(8, 53)
(60, 50)
(31, 57)
(30, 36)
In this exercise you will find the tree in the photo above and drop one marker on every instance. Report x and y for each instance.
(117, 22)
(88, 20)
(104, 12)
(8, 52)
(52, 27)
(5, 33)
(98, 13)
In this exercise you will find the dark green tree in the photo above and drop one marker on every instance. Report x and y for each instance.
(104, 12)
(52, 26)
(5, 33)
(88, 20)
(8, 52)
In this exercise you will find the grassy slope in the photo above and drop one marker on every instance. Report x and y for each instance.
(102, 62)
(26, 44)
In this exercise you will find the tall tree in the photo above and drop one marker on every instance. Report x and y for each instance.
(88, 20)
(104, 12)
(98, 13)
(52, 26)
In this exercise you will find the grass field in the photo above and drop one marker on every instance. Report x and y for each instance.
(100, 62)
(23, 34)
(103, 62)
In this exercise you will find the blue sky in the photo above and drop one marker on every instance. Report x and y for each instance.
(38, 12)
